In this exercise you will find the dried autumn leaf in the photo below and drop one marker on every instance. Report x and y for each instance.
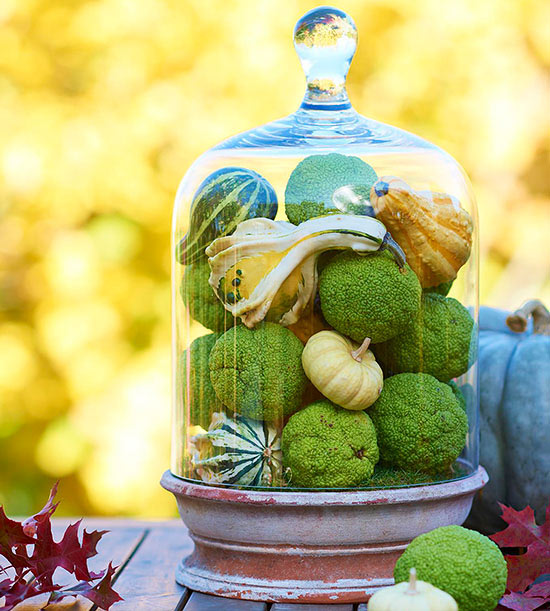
(524, 568)
(68, 554)
(533, 598)
(30, 525)
(519, 601)
(15, 592)
(101, 594)
(522, 528)
(13, 542)
(540, 589)
(33, 556)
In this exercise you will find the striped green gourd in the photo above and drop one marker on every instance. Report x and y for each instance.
(238, 450)
(224, 199)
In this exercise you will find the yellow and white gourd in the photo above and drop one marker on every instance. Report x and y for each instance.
(412, 596)
(270, 267)
(343, 371)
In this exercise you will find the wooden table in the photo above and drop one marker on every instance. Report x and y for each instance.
(147, 553)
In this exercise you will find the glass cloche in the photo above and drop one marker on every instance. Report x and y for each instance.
(324, 289)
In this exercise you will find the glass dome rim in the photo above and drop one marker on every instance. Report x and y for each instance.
(311, 121)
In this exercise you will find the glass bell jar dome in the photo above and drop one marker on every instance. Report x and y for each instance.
(324, 289)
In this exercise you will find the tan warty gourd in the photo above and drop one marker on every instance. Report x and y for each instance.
(432, 229)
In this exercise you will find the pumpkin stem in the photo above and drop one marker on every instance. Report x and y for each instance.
(360, 352)
(412, 582)
(541, 318)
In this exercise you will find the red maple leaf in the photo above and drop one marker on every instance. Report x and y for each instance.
(522, 528)
(519, 601)
(68, 554)
(533, 598)
(523, 569)
(540, 589)
(33, 556)
(13, 542)
(527, 566)
(15, 592)
(101, 594)
(30, 525)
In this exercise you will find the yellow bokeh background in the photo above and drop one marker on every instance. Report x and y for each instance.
(104, 104)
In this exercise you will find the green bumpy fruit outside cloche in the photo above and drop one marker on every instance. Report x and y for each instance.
(462, 562)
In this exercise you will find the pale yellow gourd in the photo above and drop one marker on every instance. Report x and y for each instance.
(412, 596)
(343, 371)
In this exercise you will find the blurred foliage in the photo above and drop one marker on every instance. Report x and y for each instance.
(103, 106)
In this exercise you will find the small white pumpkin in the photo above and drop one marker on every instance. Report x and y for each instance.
(412, 596)
(343, 371)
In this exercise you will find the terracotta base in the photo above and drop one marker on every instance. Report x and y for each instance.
(317, 547)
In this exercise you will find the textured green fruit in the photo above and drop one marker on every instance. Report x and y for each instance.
(326, 446)
(258, 372)
(439, 342)
(200, 299)
(197, 395)
(419, 423)
(459, 395)
(314, 186)
(462, 562)
(368, 296)
(441, 289)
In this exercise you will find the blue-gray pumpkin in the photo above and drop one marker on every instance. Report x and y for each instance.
(514, 365)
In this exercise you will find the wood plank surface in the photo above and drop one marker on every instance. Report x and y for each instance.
(147, 553)
(311, 607)
(204, 602)
(363, 607)
(148, 583)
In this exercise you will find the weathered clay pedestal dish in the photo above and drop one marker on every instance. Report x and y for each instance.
(318, 547)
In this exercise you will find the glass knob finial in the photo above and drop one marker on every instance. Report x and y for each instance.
(325, 39)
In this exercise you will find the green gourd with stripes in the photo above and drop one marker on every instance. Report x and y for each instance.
(223, 200)
(238, 450)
